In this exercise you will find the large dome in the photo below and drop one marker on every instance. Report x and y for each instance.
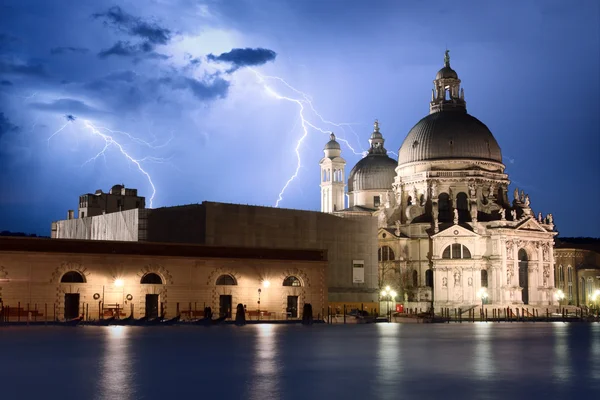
(449, 134)
(375, 171)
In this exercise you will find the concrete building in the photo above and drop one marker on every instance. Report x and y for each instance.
(449, 237)
(119, 198)
(53, 278)
(351, 242)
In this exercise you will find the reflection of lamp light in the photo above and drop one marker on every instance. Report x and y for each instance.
(118, 282)
(266, 284)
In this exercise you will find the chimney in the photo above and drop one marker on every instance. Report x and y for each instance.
(70, 214)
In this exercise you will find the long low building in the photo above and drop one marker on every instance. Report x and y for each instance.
(63, 278)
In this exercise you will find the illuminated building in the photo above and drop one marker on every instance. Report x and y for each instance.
(447, 228)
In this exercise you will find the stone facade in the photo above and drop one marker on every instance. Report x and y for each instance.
(346, 240)
(577, 273)
(448, 234)
(37, 275)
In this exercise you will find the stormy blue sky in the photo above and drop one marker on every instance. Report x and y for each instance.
(174, 83)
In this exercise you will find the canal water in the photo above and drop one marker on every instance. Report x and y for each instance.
(380, 361)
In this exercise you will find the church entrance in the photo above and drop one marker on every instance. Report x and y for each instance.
(151, 306)
(292, 306)
(225, 303)
(524, 275)
(71, 305)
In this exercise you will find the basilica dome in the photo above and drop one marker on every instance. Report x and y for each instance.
(375, 171)
(446, 72)
(449, 134)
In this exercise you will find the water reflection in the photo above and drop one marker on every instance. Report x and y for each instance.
(116, 375)
(595, 354)
(561, 370)
(389, 359)
(483, 360)
(265, 377)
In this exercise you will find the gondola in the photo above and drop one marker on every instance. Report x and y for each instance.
(171, 321)
(154, 321)
(209, 321)
(71, 322)
(101, 322)
(125, 321)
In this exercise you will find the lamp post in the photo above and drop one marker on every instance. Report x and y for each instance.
(483, 294)
(559, 295)
(596, 297)
(259, 302)
(388, 295)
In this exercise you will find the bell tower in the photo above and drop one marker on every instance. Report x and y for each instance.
(446, 94)
(332, 177)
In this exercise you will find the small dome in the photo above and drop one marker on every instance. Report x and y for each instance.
(447, 135)
(332, 144)
(375, 171)
(446, 72)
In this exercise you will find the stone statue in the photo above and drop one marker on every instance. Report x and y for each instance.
(447, 58)
(397, 232)
(509, 275)
(550, 219)
(416, 200)
(405, 297)
(470, 281)
(472, 190)
(491, 192)
(445, 282)
(433, 190)
(455, 216)
(513, 213)
(502, 214)
(462, 93)
(456, 278)
(382, 219)
(527, 201)
(540, 218)
(522, 197)
(516, 194)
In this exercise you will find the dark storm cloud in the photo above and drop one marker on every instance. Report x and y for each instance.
(218, 88)
(68, 49)
(67, 106)
(28, 69)
(126, 49)
(244, 57)
(135, 26)
(4, 82)
(6, 126)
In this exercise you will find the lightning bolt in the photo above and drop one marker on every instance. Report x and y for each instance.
(303, 102)
(108, 136)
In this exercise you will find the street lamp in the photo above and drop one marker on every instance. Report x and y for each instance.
(388, 295)
(595, 297)
(483, 294)
(559, 295)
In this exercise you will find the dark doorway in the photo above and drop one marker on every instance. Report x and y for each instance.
(225, 303)
(524, 275)
(71, 305)
(292, 307)
(151, 306)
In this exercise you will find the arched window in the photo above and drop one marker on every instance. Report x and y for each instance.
(456, 251)
(72, 277)
(570, 274)
(415, 278)
(484, 278)
(226, 280)
(462, 205)
(151, 279)
(444, 212)
(429, 278)
(561, 274)
(291, 281)
(385, 253)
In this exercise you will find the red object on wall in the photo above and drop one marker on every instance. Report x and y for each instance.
(400, 308)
